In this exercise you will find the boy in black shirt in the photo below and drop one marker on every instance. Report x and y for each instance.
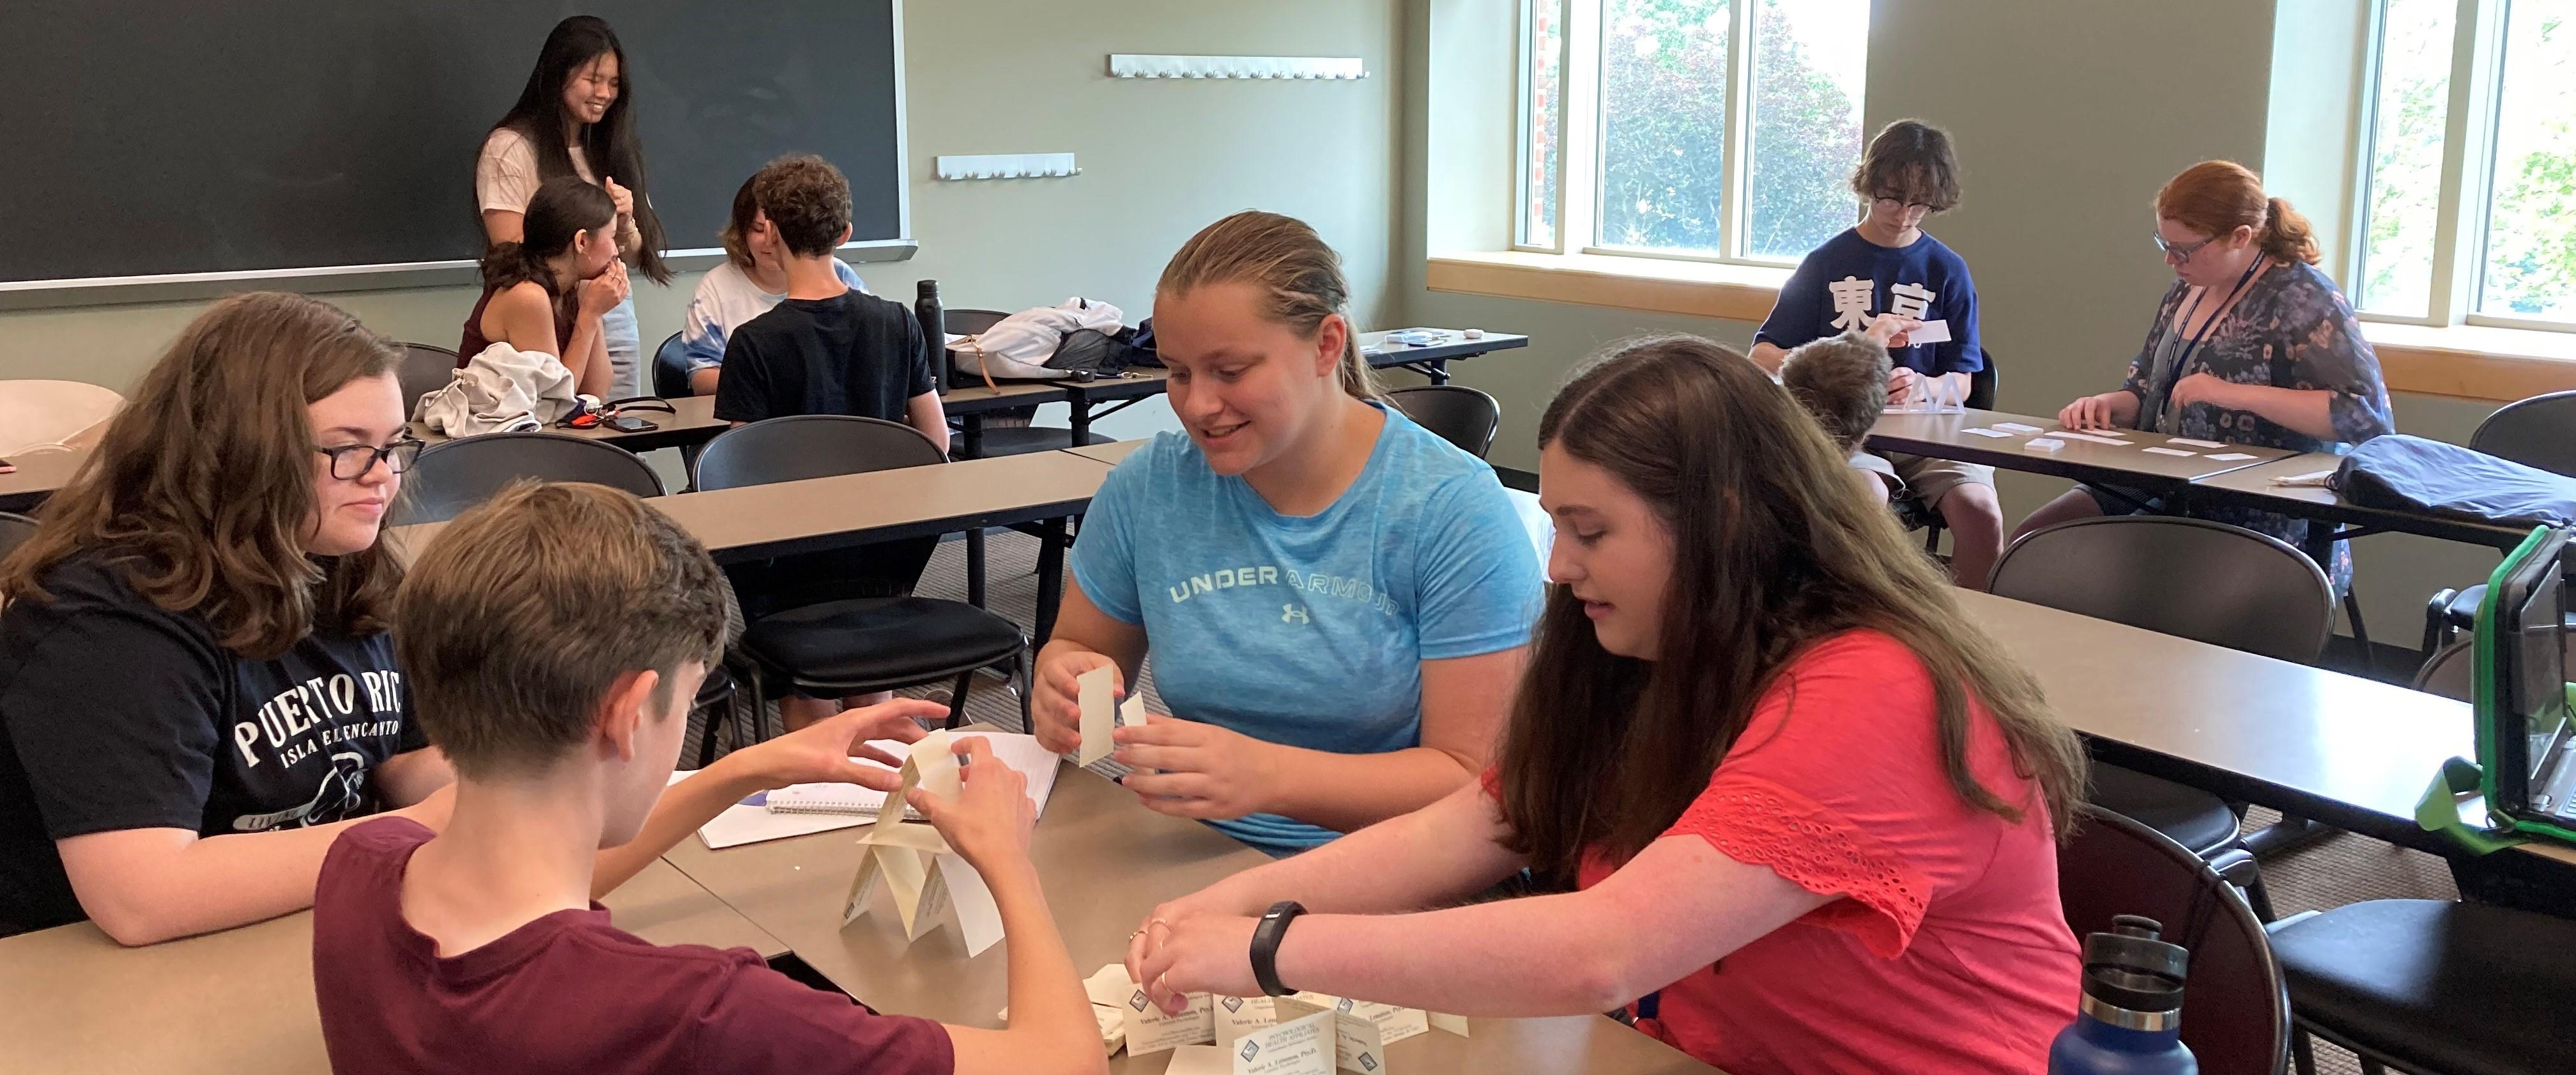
(826, 349)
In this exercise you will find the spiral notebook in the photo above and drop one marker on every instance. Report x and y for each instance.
(753, 821)
(1020, 752)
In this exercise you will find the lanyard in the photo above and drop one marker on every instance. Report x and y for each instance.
(2183, 361)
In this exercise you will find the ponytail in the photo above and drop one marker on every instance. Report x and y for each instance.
(507, 265)
(1300, 275)
(2287, 237)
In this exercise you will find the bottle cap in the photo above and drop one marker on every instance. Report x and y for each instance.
(2131, 968)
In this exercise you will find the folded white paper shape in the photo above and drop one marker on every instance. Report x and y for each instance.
(1099, 714)
(916, 865)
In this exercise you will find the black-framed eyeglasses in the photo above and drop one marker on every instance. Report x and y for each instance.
(2177, 253)
(1886, 204)
(354, 461)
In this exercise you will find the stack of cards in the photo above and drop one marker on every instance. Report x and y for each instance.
(1305, 1034)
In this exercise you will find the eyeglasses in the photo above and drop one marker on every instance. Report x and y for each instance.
(2178, 253)
(353, 462)
(1887, 204)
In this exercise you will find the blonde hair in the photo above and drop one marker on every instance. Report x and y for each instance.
(2218, 197)
(1300, 275)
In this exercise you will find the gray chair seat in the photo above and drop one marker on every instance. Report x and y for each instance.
(2434, 987)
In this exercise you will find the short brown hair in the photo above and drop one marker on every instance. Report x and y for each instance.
(1910, 159)
(520, 615)
(217, 528)
(1842, 381)
(1298, 273)
(807, 200)
(738, 225)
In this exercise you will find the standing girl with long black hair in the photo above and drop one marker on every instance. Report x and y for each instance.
(576, 118)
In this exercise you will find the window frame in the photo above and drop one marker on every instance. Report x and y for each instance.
(2465, 204)
(1580, 108)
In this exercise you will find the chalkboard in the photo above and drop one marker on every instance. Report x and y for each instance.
(182, 136)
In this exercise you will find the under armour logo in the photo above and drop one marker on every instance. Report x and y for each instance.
(1292, 614)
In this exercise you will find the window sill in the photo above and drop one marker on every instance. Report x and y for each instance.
(1691, 288)
(2473, 361)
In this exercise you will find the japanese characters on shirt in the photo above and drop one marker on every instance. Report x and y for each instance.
(1853, 297)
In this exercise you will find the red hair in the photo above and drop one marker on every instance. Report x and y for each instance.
(2218, 197)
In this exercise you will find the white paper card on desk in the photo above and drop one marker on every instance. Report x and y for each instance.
(2227, 457)
(1296, 1047)
(1987, 433)
(1099, 714)
(2168, 451)
(1928, 332)
(2043, 444)
(1109, 986)
(1356, 1044)
(1150, 1030)
(851, 804)
(2016, 427)
(1455, 1024)
(2188, 442)
(2096, 438)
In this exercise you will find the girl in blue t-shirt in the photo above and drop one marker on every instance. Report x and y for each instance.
(1336, 599)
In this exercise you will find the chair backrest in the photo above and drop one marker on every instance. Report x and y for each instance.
(2210, 582)
(970, 322)
(1461, 415)
(451, 476)
(2536, 432)
(14, 531)
(426, 368)
(49, 413)
(809, 446)
(670, 374)
(1982, 384)
(2235, 1007)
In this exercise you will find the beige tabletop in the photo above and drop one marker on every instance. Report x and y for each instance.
(692, 418)
(1111, 452)
(884, 500)
(968, 391)
(1105, 863)
(2307, 731)
(38, 475)
(71, 1000)
(1945, 436)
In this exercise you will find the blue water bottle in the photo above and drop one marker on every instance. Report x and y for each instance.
(2130, 1019)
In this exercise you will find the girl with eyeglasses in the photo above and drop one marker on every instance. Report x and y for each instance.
(2253, 344)
(1884, 277)
(196, 688)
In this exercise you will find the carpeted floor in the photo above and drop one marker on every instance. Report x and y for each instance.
(2337, 870)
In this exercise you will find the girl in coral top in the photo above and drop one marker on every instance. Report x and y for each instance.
(1792, 812)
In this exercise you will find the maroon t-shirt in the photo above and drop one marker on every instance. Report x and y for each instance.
(568, 992)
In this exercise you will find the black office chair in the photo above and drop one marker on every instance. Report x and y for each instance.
(2432, 987)
(670, 374)
(14, 531)
(2248, 591)
(426, 368)
(1006, 432)
(845, 645)
(1461, 415)
(451, 476)
(1910, 509)
(2536, 432)
(2235, 1011)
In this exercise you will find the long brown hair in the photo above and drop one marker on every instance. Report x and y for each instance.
(1773, 552)
(2218, 197)
(203, 483)
(1300, 275)
(560, 211)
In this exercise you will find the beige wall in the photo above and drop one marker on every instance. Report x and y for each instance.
(2067, 118)
(1159, 160)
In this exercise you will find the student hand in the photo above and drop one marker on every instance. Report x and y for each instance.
(1891, 330)
(2089, 412)
(1205, 954)
(624, 198)
(1204, 903)
(1201, 771)
(1900, 384)
(1058, 704)
(2203, 388)
(602, 293)
(823, 752)
(990, 821)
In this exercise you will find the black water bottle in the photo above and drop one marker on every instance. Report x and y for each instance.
(934, 331)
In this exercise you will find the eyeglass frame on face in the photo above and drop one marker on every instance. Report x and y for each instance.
(2179, 254)
(1898, 205)
(373, 455)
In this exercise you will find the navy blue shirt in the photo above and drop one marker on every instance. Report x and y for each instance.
(1847, 281)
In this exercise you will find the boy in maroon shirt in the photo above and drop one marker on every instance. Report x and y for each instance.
(554, 637)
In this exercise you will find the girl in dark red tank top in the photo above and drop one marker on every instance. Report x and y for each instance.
(549, 292)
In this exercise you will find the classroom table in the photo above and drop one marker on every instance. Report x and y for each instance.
(38, 475)
(1105, 863)
(1112, 452)
(2252, 488)
(692, 421)
(1944, 436)
(1432, 360)
(241, 1001)
(757, 522)
(2353, 753)
(1140, 382)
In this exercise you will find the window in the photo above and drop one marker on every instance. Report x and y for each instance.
(1719, 130)
(2469, 182)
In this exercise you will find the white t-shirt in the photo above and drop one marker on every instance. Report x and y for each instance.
(505, 175)
(726, 297)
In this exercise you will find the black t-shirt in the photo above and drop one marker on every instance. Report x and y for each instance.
(116, 714)
(856, 354)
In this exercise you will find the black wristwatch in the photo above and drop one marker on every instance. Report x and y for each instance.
(1265, 945)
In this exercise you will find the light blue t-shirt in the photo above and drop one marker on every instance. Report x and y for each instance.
(1309, 631)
